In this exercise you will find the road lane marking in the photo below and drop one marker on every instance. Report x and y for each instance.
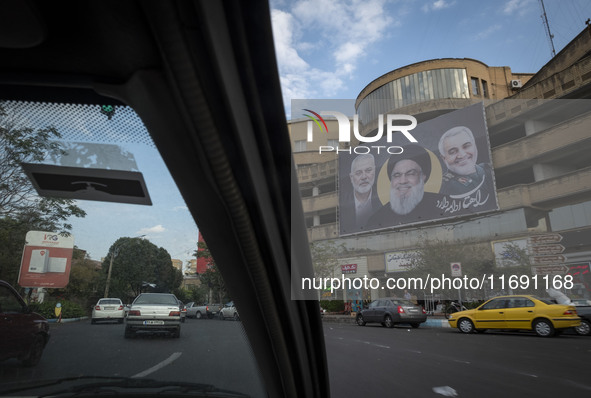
(162, 364)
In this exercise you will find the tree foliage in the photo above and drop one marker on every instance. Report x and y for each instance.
(325, 257)
(137, 263)
(18, 199)
(21, 209)
(434, 258)
(211, 278)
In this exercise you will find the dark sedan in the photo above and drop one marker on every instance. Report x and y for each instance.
(392, 311)
(23, 333)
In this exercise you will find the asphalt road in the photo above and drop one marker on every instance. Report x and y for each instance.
(370, 361)
(208, 351)
(374, 361)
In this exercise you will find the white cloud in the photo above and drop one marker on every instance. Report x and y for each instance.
(152, 230)
(487, 32)
(519, 7)
(437, 5)
(316, 66)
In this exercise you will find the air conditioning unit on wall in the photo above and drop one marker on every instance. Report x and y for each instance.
(515, 84)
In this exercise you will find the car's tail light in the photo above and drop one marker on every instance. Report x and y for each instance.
(120, 307)
(424, 312)
(569, 312)
(134, 313)
(98, 308)
(174, 313)
(207, 308)
(400, 310)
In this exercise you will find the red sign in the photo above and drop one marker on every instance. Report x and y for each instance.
(47, 260)
(349, 268)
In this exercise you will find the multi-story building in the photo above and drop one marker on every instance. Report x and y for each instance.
(538, 140)
(178, 264)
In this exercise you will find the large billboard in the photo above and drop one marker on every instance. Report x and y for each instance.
(446, 173)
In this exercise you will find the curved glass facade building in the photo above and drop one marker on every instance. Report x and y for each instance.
(415, 88)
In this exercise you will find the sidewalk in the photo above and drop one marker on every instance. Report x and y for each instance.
(433, 321)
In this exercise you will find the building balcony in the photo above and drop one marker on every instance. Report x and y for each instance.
(317, 171)
(318, 203)
(560, 191)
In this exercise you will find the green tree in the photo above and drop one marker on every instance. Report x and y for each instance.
(434, 258)
(136, 263)
(21, 209)
(211, 278)
(325, 257)
(18, 199)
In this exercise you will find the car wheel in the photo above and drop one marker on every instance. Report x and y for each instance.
(415, 325)
(35, 352)
(198, 315)
(360, 321)
(129, 333)
(465, 325)
(236, 317)
(388, 322)
(584, 329)
(543, 328)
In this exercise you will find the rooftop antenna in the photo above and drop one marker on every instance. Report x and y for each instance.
(547, 26)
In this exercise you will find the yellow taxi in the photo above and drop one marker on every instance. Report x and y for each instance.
(517, 312)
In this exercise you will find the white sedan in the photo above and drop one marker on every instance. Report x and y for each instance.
(229, 311)
(108, 309)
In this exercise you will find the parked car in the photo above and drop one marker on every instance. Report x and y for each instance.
(517, 312)
(205, 311)
(154, 312)
(183, 311)
(584, 329)
(23, 333)
(108, 309)
(229, 311)
(391, 311)
(581, 302)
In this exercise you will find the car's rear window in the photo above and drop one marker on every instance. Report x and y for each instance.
(109, 301)
(165, 299)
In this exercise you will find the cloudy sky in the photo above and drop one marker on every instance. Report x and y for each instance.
(329, 49)
(332, 50)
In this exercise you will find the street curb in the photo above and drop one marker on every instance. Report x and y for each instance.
(431, 322)
(67, 320)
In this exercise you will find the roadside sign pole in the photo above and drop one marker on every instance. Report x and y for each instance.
(456, 270)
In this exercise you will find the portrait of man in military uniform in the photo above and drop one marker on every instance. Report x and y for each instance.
(464, 176)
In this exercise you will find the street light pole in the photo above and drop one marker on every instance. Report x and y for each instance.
(115, 252)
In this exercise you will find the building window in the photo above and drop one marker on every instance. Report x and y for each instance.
(484, 89)
(475, 88)
(300, 146)
(333, 143)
